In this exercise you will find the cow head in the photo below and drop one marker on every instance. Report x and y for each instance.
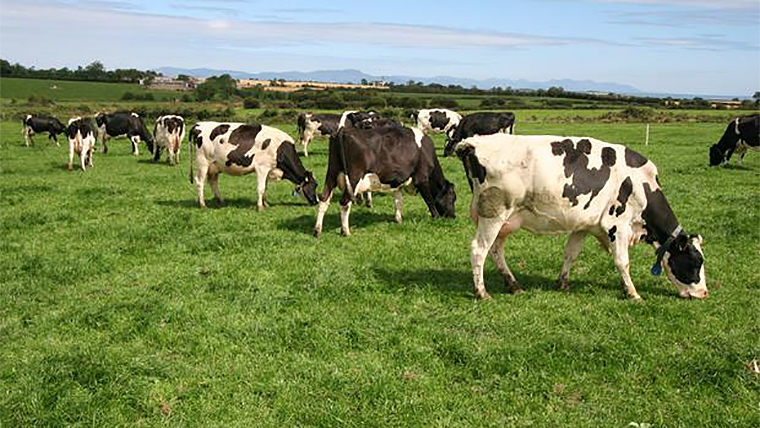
(684, 266)
(308, 188)
(57, 127)
(450, 143)
(716, 155)
(445, 200)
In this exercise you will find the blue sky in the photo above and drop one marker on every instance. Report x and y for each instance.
(675, 46)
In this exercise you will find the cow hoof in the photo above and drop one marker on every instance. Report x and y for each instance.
(517, 290)
(483, 296)
(563, 284)
(345, 232)
(634, 298)
(69, 167)
(317, 233)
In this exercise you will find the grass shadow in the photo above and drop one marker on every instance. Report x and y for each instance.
(332, 221)
(737, 167)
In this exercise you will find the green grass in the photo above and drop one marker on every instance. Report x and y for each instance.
(67, 90)
(123, 304)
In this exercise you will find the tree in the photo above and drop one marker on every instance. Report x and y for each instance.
(221, 87)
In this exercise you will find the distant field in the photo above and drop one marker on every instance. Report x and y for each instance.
(123, 304)
(66, 90)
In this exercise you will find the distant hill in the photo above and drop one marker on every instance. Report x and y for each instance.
(355, 76)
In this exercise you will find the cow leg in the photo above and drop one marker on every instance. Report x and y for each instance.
(398, 200)
(213, 179)
(497, 255)
(324, 203)
(345, 211)
(619, 248)
(368, 200)
(261, 187)
(104, 140)
(55, 138)
(83, 160)
(70, 165)
(572, 249)
(28, 137)
(200, 180)
(157, 153)
(307, 136)
(488, 230)
(135, 148)
(89, 156)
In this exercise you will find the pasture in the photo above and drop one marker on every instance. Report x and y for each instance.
(123, 304)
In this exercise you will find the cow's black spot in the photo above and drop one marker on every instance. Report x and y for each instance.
(659, 219)
(472, 167)
(608, 156)
(633, 159)
(243, 138)
(575, 164)
(438, 120)
(195, 135)
(612, 210)
(265, 144)
(219, 130)
(611, 233)
(626, 187)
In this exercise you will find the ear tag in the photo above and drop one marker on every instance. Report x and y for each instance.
(295, 193)
(656, 269)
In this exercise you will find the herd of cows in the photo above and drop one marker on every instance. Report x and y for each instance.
(544, 184)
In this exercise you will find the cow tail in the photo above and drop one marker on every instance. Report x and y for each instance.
(191, 152)
(344, 166)
(301, 125)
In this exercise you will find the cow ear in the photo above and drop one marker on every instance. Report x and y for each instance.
(682, 241)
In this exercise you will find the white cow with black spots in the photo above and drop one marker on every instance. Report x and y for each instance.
(239, 149)
(81, 141)
(576, 186)
(437, 120)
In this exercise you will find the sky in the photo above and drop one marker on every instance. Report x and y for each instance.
(663, 46)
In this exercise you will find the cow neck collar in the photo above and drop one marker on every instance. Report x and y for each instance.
(657, 267)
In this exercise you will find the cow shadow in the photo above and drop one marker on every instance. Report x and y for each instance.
(331, 222)
(737, 167)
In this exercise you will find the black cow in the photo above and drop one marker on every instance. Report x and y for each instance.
(485, 123)
(119, 124)
(741, 133)
(311, 125)
(387, 158)
(38, 124)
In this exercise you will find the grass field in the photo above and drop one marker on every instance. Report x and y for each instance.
(67, 90)
(123, 304)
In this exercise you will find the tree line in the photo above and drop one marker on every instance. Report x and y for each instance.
(95, 71)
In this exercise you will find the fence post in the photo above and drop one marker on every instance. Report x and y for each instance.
(646, 142)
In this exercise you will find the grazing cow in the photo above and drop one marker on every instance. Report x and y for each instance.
(741, 133)
(122, 124)
(239, 149)
(169, 131)
(386, 158)
(81, 142)
(437, 120)
(486, 123)
(353, 119)
(311, 125)
(37, 124)
(575, 186)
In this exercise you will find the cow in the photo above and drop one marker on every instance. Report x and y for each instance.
(741, 133)
(239, 149)
(38, 124)
(121, 124)
(437, 120)
(311, 125)
(388, 159)
(355, 119)
(81, 141)
(485, 123)
(169, 132)
(576, 186)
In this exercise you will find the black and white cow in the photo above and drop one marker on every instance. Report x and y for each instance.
(576, 186)
(485, 123)
(38, 124)
(239, 149)
(81, 141)
(741, 133)
(169, 132)
(311, 125)
(388, 159)
(357, 119)
(438, 120)
(122, 124)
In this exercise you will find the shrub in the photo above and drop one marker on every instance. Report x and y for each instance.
(251, 103)
(444, 102)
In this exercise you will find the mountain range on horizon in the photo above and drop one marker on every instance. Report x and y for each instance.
(356, 76)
